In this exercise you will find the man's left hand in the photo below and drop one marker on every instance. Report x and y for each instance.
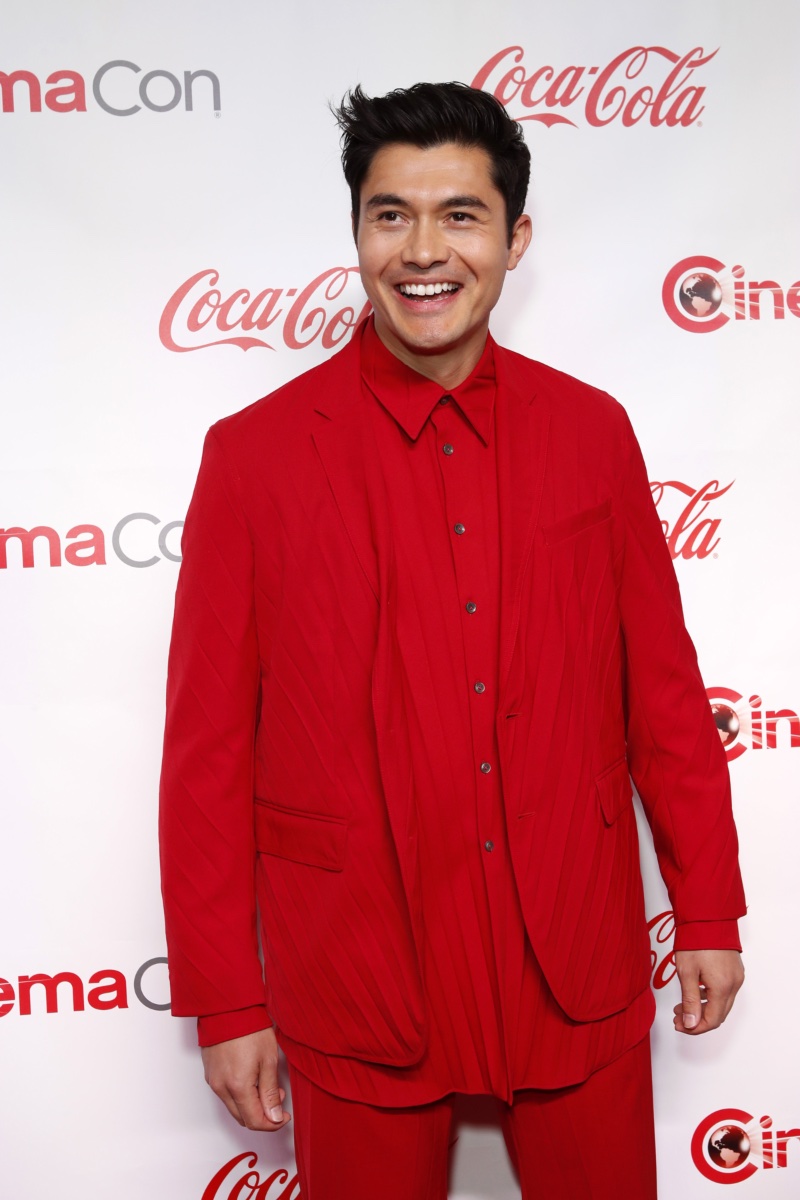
(709, 981)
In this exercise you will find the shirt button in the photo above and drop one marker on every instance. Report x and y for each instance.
(448, 447)
(443, 399)
(470, 606)
(488, 846)
(486, 767)
(480, 687)
(459, 528)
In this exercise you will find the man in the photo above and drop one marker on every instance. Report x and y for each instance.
(426, 625)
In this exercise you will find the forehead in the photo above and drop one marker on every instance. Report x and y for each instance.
(414, 172)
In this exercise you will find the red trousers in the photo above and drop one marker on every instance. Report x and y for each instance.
(593, 1141)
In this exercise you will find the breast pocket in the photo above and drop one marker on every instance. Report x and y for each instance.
(575, 523)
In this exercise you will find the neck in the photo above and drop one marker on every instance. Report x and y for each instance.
(448, 367)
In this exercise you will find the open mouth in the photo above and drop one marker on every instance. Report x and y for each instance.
(425, 292)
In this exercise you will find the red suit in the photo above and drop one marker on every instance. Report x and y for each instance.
(392, 783)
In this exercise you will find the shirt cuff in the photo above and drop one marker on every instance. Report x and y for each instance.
(221, 1027)
(708, 935)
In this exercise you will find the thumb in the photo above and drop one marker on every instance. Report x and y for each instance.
(271, 1095)
(691, 1003)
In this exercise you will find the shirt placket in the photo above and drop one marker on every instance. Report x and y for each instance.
(468, 473)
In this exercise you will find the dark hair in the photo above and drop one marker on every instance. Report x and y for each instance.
(431, 114)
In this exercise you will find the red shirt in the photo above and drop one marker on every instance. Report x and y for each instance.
(494, 1024)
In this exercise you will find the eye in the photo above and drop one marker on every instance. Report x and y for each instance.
(389, 217)
(461, 218)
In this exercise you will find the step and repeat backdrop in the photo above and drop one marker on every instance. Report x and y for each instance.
(176, 243)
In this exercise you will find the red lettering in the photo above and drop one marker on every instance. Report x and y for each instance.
(7, 997)
(26, 539)
(793, 299)
(212, 1191)
(66, 99)
(314, 321)
(50, 983)
(7, 84)
(88, 552)
(564, 89)
(663, 969)
(110, 990)
(253, 319)
(690, 96)
(755, 290)
(486, 70)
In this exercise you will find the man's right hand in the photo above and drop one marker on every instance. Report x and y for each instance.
(243, 1072)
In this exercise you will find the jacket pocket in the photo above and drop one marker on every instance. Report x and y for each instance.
(304, 837)
(567, 527)
(614, 790)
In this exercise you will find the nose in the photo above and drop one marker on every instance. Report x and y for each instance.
(425, 245)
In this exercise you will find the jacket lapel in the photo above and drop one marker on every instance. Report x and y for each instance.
(341, 441)
(522, 423)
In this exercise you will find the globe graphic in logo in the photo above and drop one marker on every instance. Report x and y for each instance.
(726, 721)
(700, 294)
(728, 1147)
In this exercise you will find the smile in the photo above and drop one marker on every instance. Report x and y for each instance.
(425, 290)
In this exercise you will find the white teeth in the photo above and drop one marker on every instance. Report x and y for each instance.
(427, 289)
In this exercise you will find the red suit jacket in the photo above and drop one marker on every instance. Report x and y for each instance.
(287, 781)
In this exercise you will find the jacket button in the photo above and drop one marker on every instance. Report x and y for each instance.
(488, 846)
(480, 687)
(459, 528)
(470, 606)
(486, 767)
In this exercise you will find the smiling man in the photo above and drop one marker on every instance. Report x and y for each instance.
(426, 630)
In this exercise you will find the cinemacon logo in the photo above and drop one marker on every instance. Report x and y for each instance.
(730, 1145)
(649, 83)
(103, 990)
(700, 294)
(139, 539)
(116, 88)
(747, 725)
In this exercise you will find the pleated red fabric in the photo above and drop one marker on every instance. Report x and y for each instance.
(335, 641)
(494, 1024)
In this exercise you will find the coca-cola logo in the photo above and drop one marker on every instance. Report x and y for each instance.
(200, 314)
(700, 294)
(662, 956)
(139, 539)
(116, 87)
(729, 1145)
(689, 532)
(642, 82)
(238, 1179)
(747, 725)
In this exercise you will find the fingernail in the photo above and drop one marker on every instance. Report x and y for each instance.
(275, 1114)
(689, 1020)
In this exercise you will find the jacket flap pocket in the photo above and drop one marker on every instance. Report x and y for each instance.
(577, 522)
(614, 790)
(304, 837)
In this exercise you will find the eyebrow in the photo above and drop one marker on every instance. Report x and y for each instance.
(389, 199)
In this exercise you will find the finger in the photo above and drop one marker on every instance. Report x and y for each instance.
(270, 1094)
(691, 1002)
(252, 1113)
(229, 1102)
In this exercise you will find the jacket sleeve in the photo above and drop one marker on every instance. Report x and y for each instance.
(674, 750)
(207, 847)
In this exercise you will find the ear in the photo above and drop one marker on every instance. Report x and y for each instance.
(520, 240)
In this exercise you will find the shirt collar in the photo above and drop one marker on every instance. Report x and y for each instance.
(410, 397)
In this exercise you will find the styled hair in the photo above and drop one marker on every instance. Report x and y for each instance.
(432, 114)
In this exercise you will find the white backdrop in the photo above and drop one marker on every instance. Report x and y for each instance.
(112, 370)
